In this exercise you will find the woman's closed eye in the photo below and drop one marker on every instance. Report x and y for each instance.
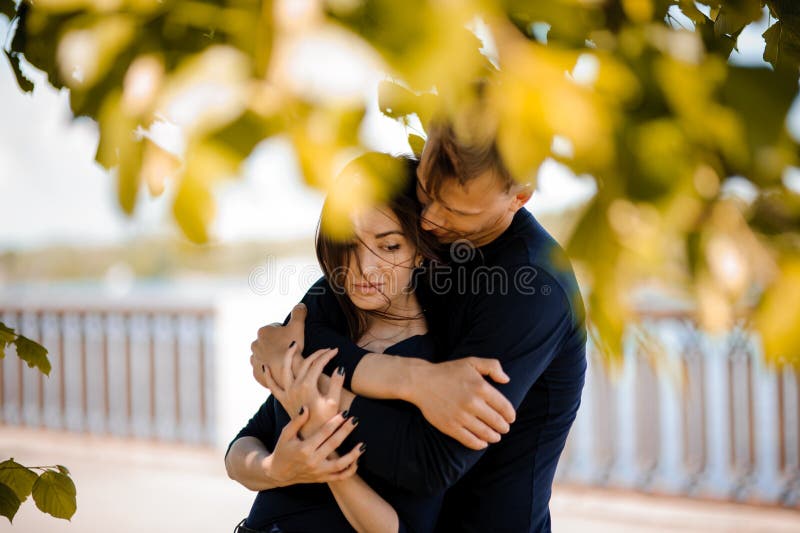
(391, 247)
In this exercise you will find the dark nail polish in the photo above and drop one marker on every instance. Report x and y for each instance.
(354, 420)
(292, 344)
(345, 414)
(340, 371)
(302, 410)
(363, 446)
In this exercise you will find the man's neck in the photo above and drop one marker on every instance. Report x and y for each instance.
(497, 229)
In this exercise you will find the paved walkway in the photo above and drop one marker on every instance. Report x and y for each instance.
(138, 487)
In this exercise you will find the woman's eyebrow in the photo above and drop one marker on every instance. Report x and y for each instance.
(385, 233)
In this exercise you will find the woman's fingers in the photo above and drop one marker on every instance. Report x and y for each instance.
(336, 384)
(344, 474)
(274, 388)
(292, 429)
(288, 375)
(308, 362)
(344, 462)
(337, 438)
(319, 364)
(323, 433)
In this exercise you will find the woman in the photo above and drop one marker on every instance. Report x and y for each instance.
(375, 273)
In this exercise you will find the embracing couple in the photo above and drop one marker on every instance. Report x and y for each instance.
(429, 380)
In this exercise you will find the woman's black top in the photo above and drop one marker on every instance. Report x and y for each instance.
(312, 507)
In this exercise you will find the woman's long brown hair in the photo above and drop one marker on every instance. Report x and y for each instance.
(334, 255)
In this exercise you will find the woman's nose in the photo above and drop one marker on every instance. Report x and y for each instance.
(367, 262)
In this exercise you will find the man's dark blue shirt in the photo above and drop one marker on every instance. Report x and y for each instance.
(515, 299)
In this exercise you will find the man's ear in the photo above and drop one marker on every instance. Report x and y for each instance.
(521, 196)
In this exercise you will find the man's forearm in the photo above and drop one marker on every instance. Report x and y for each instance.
(387, 377)
(248, 462)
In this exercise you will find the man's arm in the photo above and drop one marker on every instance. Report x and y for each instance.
(415, 455)
(448, 401)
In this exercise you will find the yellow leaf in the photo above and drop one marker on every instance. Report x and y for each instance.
(778, 315)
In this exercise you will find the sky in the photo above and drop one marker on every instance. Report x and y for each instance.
(53, 193)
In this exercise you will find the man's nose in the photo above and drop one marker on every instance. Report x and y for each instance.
(431, 218)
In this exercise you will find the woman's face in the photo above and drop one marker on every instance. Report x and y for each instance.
(381, 261)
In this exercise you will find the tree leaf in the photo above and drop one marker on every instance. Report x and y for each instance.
(783, 43)
(194, 208)
(8, 8)
(17, 477)
(7, 336)
(63, 469)
(9, 503)
(55, 494)
(417, 143)
(733, 17)
(33, 353)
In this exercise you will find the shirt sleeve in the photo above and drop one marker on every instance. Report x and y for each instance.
(326, 327)
(261, 426)
(524, 330)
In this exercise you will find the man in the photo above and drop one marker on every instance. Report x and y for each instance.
(508, 293)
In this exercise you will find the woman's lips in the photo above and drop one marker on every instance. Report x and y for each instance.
(367, 288)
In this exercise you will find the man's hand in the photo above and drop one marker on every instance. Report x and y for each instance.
(456, 399)
(269, 349)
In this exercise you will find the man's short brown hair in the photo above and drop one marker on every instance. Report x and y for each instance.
(447, 156)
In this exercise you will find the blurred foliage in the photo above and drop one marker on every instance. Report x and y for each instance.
(638, 94)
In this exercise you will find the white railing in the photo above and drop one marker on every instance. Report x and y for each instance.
(704, 416)
(144, 372)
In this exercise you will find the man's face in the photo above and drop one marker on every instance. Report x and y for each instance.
(478, 210)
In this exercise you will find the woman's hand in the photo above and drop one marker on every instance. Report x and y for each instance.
(311, 460)
(303, 388)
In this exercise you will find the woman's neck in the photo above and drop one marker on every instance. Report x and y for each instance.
(401, 320)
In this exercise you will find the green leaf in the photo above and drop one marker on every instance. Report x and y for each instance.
(734, 16)
(244, 133)
(24, 83)
(17, 477)
(783, 43)
(775, 91)
(194, 208)
(63, 469)
(55, 494)
(7, 336)
(689, 8)
(9, 503)
(33, 353)
(8, 8)
(417, 143)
